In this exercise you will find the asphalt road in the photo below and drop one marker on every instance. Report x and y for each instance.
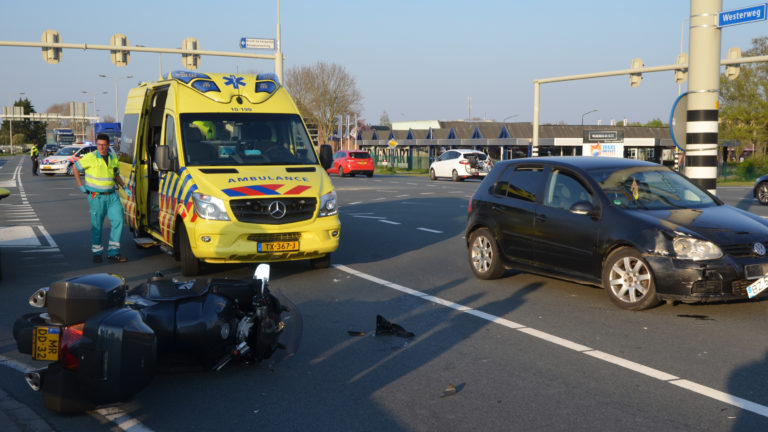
(523, 352)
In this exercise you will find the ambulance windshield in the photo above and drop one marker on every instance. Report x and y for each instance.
(245, 139)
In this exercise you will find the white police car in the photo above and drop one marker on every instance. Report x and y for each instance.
(62, 162)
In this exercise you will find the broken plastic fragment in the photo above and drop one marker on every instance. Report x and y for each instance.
(449, 391)
(384, 327)
(356, 333)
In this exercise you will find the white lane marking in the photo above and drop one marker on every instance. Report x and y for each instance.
(565, 343)
(429, 230)
(426, 193)
(389, 222)
(378, 199)
(400, 196)
(368, 217)
(18, 236)
(356, 202)
(120, 418)
(42, 250)
(412, 184)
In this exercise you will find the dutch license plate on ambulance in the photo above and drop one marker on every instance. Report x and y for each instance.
(45, 343)
(757, 287)
(283, 246)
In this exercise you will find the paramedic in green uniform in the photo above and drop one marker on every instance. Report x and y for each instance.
(101, 177)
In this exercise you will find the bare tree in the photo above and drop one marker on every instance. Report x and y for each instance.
(323, 92)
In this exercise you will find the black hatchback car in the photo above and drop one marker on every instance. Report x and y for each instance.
(640, 230)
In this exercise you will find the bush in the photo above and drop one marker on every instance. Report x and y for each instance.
(752, 168)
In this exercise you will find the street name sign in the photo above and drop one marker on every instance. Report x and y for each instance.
(742, 16)
(257, 43)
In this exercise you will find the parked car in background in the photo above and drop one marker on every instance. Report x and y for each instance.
(49, 149)
(760, 190)
(640, 230)
(351, 162)
(459, 164)
(63, 161)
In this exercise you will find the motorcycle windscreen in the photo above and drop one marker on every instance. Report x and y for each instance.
(294, 326)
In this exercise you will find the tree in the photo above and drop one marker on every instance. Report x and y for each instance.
(24, 131)
(744, 101)
(655, 123)
(323, 92)
(384, 120)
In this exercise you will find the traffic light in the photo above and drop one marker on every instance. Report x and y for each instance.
(191, 61)
(635, 78)
(681, 74)
(51, 55)
(732, 71)
(119, 57)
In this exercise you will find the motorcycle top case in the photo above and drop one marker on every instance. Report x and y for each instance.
(72, 301)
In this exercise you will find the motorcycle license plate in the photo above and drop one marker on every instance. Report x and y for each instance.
(284, 246)
(45, 343)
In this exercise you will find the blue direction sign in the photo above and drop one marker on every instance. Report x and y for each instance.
(742, 16)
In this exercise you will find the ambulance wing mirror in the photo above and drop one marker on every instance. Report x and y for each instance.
(326, 156)
(162, 158)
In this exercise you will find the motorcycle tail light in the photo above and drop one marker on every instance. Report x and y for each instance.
(69, 338)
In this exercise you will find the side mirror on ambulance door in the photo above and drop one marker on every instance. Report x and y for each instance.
(162, 158)
(326, 156)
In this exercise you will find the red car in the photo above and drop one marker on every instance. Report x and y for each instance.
(351, 162)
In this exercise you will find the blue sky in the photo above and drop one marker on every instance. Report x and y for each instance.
(415, 59)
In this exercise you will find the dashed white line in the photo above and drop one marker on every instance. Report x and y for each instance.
(356, 202)
(389, 222)
(426, 193)
(378, 199)
(368, 217)
(429, 230)
(565, 343)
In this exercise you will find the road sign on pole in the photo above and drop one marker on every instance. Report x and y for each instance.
(742, 16)
(257, 43)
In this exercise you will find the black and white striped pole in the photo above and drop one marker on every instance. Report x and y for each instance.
(703, 91)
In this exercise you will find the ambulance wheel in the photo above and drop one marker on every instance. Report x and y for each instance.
(321, 263)
(69, 170)
(190, 265)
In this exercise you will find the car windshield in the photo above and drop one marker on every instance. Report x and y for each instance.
(649, 188)
(360, 155)
(246, 139)
(66, 151)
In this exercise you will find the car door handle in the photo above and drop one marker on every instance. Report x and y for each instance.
(541, 218)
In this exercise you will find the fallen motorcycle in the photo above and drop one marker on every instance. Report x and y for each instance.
(106, 341)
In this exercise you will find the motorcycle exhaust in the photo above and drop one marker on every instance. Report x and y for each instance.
(39, 298)
(33, 379)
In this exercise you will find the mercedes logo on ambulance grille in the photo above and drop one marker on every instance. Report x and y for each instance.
(758, 249)
(277, 209)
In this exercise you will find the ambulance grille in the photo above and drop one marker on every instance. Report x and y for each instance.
(273, 211)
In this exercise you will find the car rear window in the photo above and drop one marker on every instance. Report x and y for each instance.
(360, 155)
(481, 156)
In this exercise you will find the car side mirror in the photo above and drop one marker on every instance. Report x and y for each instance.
(326, 156)
(162, 158)
(584, 208)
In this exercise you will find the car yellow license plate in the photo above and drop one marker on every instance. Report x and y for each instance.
(45, 343)
(47, 168)
(283, 246)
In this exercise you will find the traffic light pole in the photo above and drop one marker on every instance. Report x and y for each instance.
(704, 88)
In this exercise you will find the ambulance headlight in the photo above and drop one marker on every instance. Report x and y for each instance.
(328, 204)
(209, 207)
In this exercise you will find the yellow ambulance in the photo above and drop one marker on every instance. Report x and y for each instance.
(222, 170)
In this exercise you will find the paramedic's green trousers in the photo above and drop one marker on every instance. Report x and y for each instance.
(105, 205)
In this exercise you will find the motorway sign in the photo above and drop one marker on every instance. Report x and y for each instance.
(742, 16)
(257, 43)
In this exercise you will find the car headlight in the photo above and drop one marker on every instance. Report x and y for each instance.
(209, 207)
(328, 204)
(695, 249)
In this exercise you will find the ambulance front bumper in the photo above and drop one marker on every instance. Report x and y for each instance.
(222, 242)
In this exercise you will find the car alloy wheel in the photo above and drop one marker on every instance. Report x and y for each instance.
(341, 172)
(762, 193)
(628, 280)
(484, 255)
(69, 170)
(432, 175)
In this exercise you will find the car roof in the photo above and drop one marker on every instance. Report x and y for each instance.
(583, 162)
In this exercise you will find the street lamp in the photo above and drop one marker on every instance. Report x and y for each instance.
(10, 122)
(582, 116)
(509, 117)
(93, 134)
(115, 79)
